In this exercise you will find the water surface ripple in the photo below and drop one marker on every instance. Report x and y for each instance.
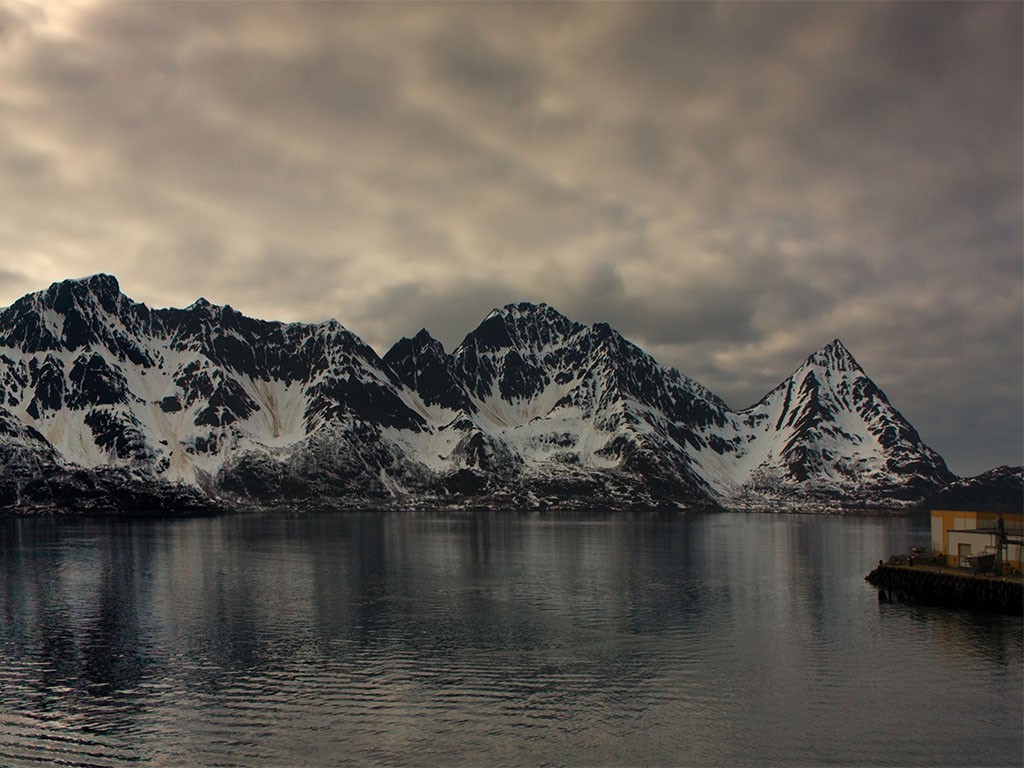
(642, 639)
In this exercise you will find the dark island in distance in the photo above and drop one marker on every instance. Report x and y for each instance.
(109, 406)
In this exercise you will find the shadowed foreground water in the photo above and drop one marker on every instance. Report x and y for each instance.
(489, 639)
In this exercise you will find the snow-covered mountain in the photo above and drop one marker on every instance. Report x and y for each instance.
(826, 433)
(531, 409)
(998, 490)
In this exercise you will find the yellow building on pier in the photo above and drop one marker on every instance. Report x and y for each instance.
(960, 535)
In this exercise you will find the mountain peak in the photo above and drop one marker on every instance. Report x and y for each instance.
(423, 337)
(520, 325)
(101, 288)
(526, 320)
(100, 283)
(419, 345)
(531, 406)
(421, 364)
(834, 356)
(523, 309)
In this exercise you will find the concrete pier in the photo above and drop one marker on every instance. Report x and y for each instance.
(950, 587)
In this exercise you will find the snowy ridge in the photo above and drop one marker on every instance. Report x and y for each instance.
(177, 395)
(827, 430)
(530, 409)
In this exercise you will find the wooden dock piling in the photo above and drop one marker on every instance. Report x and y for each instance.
(950, 587)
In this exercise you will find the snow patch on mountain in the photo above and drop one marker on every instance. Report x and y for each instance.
(530, 408)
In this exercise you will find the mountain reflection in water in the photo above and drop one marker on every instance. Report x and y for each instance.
(489, 638)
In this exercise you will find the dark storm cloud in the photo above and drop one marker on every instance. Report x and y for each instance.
(17, 19)
(731, 185)
(461, 60)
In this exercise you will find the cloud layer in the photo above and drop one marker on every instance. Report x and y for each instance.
(729, 185)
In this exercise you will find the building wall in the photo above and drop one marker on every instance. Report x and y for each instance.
(979, 543)
(950, 528)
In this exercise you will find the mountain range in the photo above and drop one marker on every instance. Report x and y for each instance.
(107, 404)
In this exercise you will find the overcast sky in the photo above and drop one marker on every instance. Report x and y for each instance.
(731, 186)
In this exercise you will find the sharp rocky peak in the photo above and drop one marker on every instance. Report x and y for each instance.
(545, 398)
(424, 341)
(71, 314)
(525, 313)
(407, 349)
(421, 364)
(100, 283)
(100, 289)
(523, 326)
(201, 305)
(524, 309)
(834, 356)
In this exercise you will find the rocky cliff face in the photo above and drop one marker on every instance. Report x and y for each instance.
(531, 409)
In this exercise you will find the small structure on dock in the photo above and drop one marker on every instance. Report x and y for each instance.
(979, 540)
(975, 563)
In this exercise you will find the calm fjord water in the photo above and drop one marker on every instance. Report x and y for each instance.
(653, 639)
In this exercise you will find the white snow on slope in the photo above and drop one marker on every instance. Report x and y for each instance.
(584, 403)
